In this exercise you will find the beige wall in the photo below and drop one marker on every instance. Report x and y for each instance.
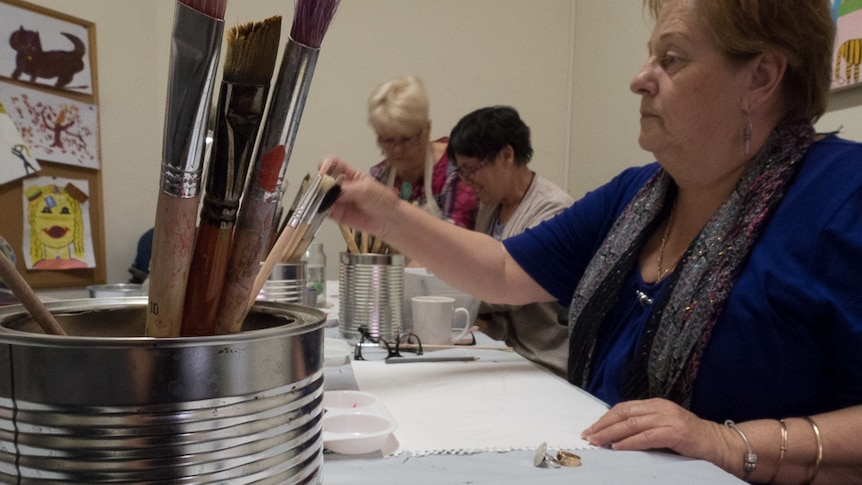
(565, 69)
(608, 53)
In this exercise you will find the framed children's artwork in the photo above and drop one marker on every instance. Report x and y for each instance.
(46, 48)
(847, 56)
(50, 174)
(55, 128)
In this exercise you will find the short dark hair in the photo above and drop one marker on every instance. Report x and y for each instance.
(486, 131)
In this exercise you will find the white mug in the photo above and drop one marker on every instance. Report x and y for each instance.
(433, 317)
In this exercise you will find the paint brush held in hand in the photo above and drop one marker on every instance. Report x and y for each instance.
(322, 192)
(252, 51)
(195, 43)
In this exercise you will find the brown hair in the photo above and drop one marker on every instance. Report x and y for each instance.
(802, 30)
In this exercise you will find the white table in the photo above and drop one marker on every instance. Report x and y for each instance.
(600, 466)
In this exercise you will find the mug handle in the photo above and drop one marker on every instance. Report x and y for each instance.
(468, 323)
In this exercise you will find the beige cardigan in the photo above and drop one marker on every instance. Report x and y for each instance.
(532, 330)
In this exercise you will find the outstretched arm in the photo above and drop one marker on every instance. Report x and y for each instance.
(471, 261)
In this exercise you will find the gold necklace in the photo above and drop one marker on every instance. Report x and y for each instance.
(659, 273)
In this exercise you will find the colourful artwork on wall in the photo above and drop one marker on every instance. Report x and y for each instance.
(44, 49)
(847, 56)
(57, 233)
(16, 161)
(56, 128)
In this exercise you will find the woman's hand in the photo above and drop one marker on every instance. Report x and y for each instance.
(659, 423)
(364, 204)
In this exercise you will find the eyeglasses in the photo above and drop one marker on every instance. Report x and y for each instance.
(390, 143)
(469, 172)
(378, 348)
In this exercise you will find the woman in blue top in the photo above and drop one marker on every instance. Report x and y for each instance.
(713, 294)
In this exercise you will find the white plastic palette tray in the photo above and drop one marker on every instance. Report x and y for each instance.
(356, 423)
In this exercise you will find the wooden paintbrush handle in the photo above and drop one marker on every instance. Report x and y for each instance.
(13, 279)
(250, 240)
(206, 279)
(349, 239)
(173, 240)
(288, 238)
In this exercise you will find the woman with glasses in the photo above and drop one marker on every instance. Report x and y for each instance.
(414, 165)
(491, 147)
(715, 301)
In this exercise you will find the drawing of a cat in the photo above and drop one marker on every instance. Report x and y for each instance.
(33, 61)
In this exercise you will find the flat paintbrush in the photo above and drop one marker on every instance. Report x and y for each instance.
(290, 91)
(332, 189)
(303, 187)
(321, 193)
(195, 43)
(252, 50)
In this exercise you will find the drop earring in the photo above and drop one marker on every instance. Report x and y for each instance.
(746, 135)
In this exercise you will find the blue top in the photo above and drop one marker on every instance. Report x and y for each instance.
(789, 340)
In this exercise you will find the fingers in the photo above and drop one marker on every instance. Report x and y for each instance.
(334, 166)
(638, 425)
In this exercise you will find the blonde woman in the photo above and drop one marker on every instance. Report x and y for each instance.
(414, 164)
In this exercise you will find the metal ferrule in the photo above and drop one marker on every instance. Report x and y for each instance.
(288, 101)
(240, 111)
(195, 44)
(306, 203)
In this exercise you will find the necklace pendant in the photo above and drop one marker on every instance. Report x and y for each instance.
(643, 298)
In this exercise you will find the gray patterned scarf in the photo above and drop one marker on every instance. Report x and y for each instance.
(683, 317)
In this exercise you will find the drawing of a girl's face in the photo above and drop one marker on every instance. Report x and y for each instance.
(54, 220)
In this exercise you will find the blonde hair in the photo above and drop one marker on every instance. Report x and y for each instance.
(399, 106)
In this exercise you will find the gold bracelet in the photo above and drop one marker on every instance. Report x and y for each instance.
(749, 459)
(781, 449)
(819, 441)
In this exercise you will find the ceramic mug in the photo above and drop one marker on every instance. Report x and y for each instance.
(433, 317)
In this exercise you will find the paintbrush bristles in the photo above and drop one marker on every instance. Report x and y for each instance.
(311, 19)
(252, 51)
(213, 8)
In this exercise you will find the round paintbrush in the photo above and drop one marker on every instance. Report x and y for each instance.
(252, 51)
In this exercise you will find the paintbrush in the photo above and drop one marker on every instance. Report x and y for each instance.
(28, 298)
(311, 20)
(303, 187)
(195, 43)
(349, 239)
(322, 192)
(252, 50)
(251, 237)
(332, 189)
